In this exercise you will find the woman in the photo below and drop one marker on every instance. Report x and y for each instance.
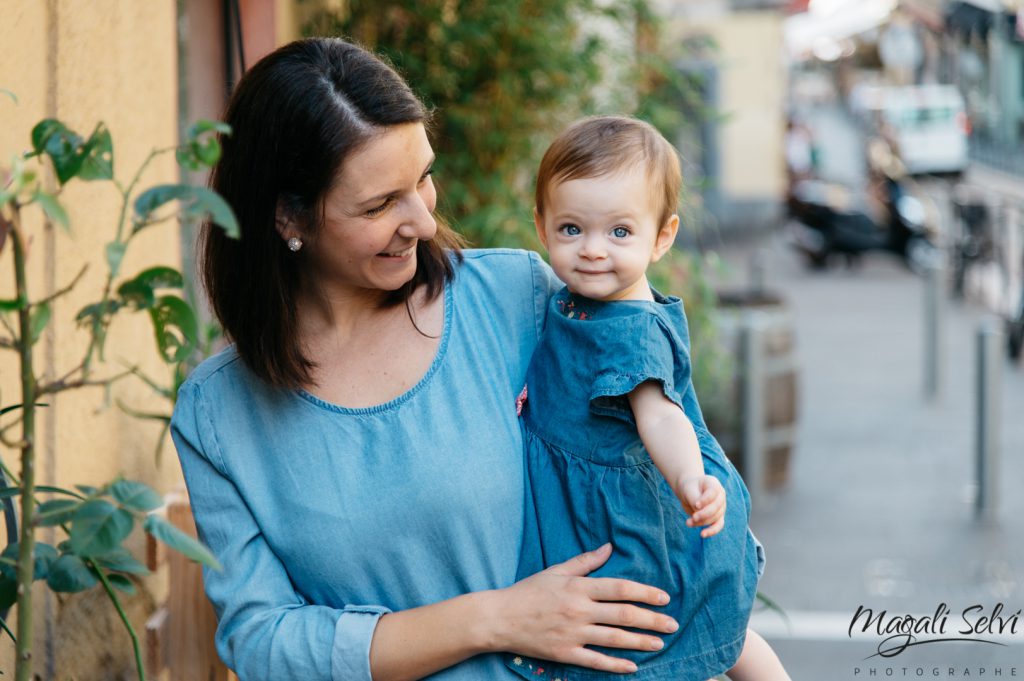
(354, 459)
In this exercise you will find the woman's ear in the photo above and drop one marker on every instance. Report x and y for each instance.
(284, 221)
(666, 237)
(538, 223)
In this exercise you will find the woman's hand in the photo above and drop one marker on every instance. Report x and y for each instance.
(553, 614)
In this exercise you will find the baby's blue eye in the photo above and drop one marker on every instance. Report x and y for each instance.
(570, 229)
(621, 232)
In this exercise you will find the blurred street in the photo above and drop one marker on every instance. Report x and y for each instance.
(879, 508)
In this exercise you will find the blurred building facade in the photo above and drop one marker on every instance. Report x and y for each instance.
(977, 45)
(985, 47)
(735, 160)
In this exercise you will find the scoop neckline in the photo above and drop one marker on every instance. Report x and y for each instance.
(398, 401)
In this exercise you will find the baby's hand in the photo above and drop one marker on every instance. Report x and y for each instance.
(703, 499)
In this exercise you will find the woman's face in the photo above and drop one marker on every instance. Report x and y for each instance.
(379, 207)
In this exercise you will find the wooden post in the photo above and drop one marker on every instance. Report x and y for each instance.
(179, 635)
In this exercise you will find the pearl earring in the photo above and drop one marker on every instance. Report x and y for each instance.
(294, 244)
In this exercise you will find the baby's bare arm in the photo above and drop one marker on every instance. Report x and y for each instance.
(670, 440)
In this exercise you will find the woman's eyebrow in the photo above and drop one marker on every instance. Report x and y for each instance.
(384, 195)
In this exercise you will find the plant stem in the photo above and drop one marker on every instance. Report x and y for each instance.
(26, 545)
(99, 331)
(124, 618)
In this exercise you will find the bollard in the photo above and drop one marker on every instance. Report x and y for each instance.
(752, 339)
(989, 403)
(757, 270)
(934, 346)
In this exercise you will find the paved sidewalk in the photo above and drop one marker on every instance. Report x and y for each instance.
(878, 511)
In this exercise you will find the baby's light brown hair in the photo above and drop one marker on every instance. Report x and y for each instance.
(605, 145)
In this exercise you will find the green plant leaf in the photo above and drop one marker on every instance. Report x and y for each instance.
(12, 304)
(9, 492)
(208, 152)
(42, 559)
(38, 320)
(186, 157)
(53, 209)
(53, 132)
(120, 560)
(93, 314)
(139, 291)
(56, 511)
(88, 490)
(161, 277)
(62, 145)
(51, 488)
(70, 574)
(8, 592)
(176, 328)
(179, 541)
(99, 527)
(45, 555)
(14, 98)
(115, 254)
(136, 294)
(135, 495)
(206, 125)
(56, 491)
(122, 583)
(97, 156)
(201, 148)
(198, 202)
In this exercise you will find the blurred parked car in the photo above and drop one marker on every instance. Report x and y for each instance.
(926, 125)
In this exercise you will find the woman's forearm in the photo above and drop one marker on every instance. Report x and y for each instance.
(414, 643)
(553, 615)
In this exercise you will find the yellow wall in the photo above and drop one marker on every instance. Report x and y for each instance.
(752, 90)
(83, 62)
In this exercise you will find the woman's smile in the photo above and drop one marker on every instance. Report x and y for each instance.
(399, 255)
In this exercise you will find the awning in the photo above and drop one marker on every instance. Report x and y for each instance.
(845, 20)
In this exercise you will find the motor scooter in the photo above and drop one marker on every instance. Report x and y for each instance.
(827, 220)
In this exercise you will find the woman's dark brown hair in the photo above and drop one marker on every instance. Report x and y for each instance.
(295, 117)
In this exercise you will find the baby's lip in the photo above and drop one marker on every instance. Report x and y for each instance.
(593, 271)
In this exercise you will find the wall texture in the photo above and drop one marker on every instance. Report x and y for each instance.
(113, 61)
(751, 98)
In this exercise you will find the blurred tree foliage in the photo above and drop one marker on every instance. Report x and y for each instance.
(503, 78)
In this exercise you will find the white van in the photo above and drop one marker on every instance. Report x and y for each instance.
(926, 124)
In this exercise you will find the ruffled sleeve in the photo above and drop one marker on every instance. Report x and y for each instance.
(631, 349)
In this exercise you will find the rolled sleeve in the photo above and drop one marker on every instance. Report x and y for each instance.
(350, 657)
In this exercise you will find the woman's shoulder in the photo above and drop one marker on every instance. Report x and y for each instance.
(224, 380)
(518, 277)
(500, 262)
(225, 362)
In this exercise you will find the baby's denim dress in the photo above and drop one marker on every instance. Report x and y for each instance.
(590, 481)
